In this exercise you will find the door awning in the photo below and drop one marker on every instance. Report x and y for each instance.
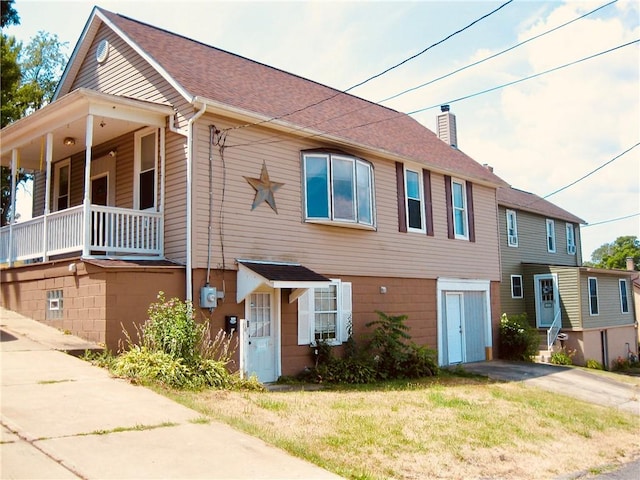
(253, 274)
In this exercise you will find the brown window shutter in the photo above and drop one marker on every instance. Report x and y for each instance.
(447, 192)
(402, 212)
(470, 219)
(428, 206)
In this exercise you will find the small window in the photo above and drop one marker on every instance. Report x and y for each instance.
(551, 236)
(624, 299)
(459, 202)
(516, 286)
(338, 189)
(512, 229)
(53, 308)
(146, 159)
(594, 308)
(62, 185)
(415, 200)
(324, 314)
(571, 239)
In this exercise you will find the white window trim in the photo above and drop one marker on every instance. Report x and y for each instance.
(56, 185)
(512, 240)
(621, 282)
(423, 218)
(137, 165)
(331, 219)
(571, 235)
(306, 314)
(551, 235)
(464, 209)
(521, 286)
(597, 296)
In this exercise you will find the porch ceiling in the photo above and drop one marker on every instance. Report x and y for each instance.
(67, 117)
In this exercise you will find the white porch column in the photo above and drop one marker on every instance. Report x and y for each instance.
(12, 216)
(47, 197)
(87, 187)
(162, 180)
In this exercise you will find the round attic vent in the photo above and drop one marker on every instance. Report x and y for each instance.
(103, 51)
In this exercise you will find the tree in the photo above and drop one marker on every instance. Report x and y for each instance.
(29, 79)
(615, 254)
(9, 14)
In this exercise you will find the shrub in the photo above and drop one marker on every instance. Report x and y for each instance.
(594, 364)
(563, 357)
(517, 340)
(388, 355)
(175, 351)
(620, 364)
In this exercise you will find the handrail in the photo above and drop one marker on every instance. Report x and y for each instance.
(554, 330)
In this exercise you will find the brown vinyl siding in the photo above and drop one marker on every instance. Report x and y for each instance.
(175, 209)
(263, 234)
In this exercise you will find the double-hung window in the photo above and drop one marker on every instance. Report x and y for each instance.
(516, 286)
(624, 299)
(551, 236)
(324, 314)
(594, 308)
(145, 169)
(512, 228)
(415, 201)
(459, 203)
(338, 189)
(571, 239)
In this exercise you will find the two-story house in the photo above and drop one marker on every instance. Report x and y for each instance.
(543, 276)
(164, 164)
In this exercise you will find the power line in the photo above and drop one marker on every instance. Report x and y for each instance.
(611, 220)
(496, 54)
(428, 48)
(369, 105)
(591, 172)
(399, 114)
(341, 92)
(466, 97)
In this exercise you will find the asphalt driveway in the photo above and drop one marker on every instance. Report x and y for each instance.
(570, 381)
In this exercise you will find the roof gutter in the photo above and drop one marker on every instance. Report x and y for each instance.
(190, 150)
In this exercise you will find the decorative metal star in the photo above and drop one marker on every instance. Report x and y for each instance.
(264, 188)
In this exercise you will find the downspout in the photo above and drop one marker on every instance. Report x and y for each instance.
(190, 150)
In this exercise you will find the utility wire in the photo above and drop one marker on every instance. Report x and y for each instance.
(398, 114)
(341, 92)
(611, 220)
(428, 48)
(496, 54)
(591, 172)
(439, 78)
(466, 97)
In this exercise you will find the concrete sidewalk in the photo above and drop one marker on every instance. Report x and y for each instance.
(64, 418)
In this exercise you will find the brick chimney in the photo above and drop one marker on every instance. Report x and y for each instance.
(447, 126)
(630, 265)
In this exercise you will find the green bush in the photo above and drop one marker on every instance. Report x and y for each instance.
(594, 364)
(388, 355)
(563, 357)
(518, 340)
(175, 351)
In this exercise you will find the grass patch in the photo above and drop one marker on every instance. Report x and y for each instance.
(446, 427)
(135, 428)
(51, 382)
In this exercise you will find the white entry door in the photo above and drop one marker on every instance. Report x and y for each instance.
(547, 299)
(261, 357)
(455, 321)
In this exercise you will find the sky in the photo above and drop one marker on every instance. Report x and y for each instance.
(539, 135)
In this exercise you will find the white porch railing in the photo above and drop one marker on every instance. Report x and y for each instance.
(554, 330)
(113, 232)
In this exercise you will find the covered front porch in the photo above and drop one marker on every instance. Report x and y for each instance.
(98, 163)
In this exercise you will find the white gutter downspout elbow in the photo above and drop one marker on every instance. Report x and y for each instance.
(190, 150)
